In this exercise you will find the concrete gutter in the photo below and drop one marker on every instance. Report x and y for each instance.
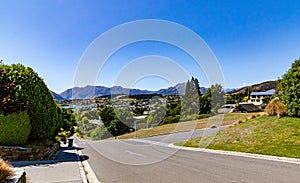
(241, 154)
(86, 172)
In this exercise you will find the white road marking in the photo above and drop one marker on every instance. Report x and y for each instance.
(149, 142)
(133, 153)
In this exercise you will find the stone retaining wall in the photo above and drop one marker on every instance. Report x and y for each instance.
(14, 153)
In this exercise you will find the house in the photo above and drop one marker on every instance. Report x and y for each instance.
(256, 98)
(247, 108)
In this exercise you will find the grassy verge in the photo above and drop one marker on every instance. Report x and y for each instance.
(263, 135)
(191, 125)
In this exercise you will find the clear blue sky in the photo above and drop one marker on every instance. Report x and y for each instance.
(254, 41)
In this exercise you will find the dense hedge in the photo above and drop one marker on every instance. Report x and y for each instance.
(14, 129)
(289, 89)
(9, 102)
(44, 116)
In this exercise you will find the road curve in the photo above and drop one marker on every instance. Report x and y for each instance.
(151, 160)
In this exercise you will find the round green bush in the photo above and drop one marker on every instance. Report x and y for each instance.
(14, 128)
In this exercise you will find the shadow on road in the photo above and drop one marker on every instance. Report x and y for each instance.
(65, 154)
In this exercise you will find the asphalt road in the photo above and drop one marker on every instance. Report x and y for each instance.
(151, 160)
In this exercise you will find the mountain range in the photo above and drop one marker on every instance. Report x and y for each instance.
(90, 92)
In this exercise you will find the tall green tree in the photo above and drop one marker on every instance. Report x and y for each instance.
(290, 89)
(68, 120)
(217, 98)
(116, 121)
(190, 101)
(205, 102)
(212, 100)
(156, 117)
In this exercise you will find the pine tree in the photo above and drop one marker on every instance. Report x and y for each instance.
(190, 102)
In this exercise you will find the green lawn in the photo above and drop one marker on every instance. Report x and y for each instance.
(217, 120)
(262, 135)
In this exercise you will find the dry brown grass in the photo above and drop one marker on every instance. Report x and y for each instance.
(276, 107)
(5, 170)
(218, 120)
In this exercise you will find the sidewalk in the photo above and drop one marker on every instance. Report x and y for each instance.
(66, 167)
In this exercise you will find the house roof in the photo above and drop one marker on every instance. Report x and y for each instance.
(269, 92)
(248, 108)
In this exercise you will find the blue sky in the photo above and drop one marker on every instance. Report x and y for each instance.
(254, 41)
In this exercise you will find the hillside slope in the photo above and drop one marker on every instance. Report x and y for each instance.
(268, 135)
(264, 86)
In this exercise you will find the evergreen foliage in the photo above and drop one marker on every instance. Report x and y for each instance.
(68, 120)
(290, 89)
(9, 102)
(116, 121)
(44, 116)
(216, 98)
(14, 129)
(190, 101)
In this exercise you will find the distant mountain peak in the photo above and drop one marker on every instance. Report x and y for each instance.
(56, 96)
(90, 92)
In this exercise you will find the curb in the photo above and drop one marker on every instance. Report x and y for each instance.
(86, 172)
(81, 169)
(241, 154)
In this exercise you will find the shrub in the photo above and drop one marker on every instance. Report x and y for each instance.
(170, 119)
(9, 102)
(45, 119)
(5, 170)
(280, 109)
(239, 121)
(100, 132)
(14, 128)
(257, 115)
(166, 120)
(275, 107)
(271, 109)
(289, 89)
(202, 116)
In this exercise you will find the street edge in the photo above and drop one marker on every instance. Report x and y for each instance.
(86, 172)
(81, 168)
(241, 154)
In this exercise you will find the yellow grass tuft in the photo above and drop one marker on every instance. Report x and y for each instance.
(5, 170)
